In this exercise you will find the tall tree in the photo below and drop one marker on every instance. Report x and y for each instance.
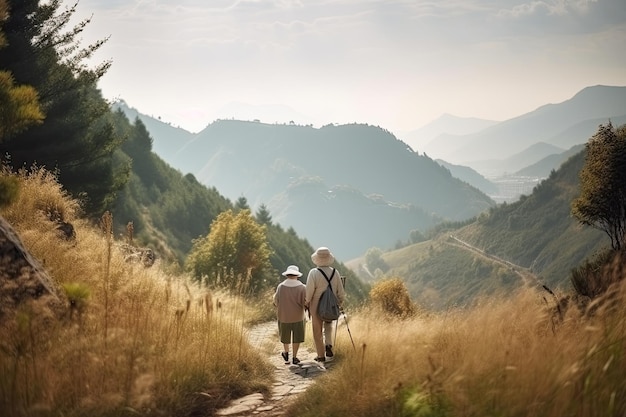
(602, 200)
(77, 138)
(20, 104)
(263, 215)
(242, 204)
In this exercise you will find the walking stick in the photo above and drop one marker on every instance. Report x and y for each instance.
(345, 317)
(349, 332)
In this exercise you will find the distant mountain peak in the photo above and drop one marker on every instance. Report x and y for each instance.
(445, 124)
(446, 117)
(596, 104)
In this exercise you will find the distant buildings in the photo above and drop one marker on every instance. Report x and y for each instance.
(510, 188)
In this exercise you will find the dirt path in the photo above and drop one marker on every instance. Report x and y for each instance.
(524, 273)
(291, 380)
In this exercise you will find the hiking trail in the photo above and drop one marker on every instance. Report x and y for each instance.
(290, 380)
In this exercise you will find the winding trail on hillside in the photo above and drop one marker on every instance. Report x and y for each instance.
(290, 380)
(524, 273)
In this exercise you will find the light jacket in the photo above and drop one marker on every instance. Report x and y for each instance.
(289, 298)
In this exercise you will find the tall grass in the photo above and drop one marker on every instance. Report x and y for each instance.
(135, 340)
(497, 358)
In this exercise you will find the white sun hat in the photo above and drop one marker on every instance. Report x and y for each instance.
(323, 257)
(292, 270)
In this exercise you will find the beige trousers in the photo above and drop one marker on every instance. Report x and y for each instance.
(322, 331)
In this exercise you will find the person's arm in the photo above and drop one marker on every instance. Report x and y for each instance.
(302, 301)
(275, 297)
(310, 288)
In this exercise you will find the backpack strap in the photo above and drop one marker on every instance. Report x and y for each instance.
(329, 280)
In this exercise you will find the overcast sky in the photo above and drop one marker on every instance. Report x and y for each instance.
(398, 64)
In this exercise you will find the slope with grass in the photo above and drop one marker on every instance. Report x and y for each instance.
(536, 236)
(441, 273)
(538, 232)
(133, 340)
(504, 357)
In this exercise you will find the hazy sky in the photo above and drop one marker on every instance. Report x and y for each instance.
(398, 64)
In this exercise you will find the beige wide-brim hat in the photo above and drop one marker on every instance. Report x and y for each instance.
(323, 257)
(292, 270)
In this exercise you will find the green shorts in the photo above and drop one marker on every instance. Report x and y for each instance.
(287, 330)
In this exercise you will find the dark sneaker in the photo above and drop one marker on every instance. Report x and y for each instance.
(296, 361)
(329, 351)
(322, 359)
(285, 356)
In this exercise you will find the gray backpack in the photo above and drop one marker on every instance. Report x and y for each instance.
(328, 307)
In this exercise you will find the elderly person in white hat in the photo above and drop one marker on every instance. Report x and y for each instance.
(316, 283)
(289, 299)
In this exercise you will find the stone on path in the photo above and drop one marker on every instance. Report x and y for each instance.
(291, 380)
(242, 405)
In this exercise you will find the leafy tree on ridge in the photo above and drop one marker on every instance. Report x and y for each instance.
(602, 200)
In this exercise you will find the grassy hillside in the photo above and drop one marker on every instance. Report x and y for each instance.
(132, 340)
(507, 356)
(441, 274)
(538, 232)
(139, 341)
(534, 241)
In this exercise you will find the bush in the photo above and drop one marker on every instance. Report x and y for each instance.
(594, 277)
(392, 297)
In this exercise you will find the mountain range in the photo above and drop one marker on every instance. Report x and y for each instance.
(561, 125)
(358, 186)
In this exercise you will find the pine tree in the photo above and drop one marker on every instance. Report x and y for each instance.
(76, 139)
(20, 103)
(242, 204)
(263, 215)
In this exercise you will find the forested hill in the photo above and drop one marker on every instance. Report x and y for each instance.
(352, 186)
(169, 210)
(53, 116)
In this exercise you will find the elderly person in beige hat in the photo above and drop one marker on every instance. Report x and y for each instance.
(289, 299)
(316, 283)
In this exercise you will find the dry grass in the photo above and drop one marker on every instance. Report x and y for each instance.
(138, 342)
(498, 358)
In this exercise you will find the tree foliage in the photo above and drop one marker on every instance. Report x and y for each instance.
(234, 255)
(374, 260)
(242, 204)
(263, 215)
(76, 138)
(20, 103)
(20, 107)
(602, 200)
(168, 209)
